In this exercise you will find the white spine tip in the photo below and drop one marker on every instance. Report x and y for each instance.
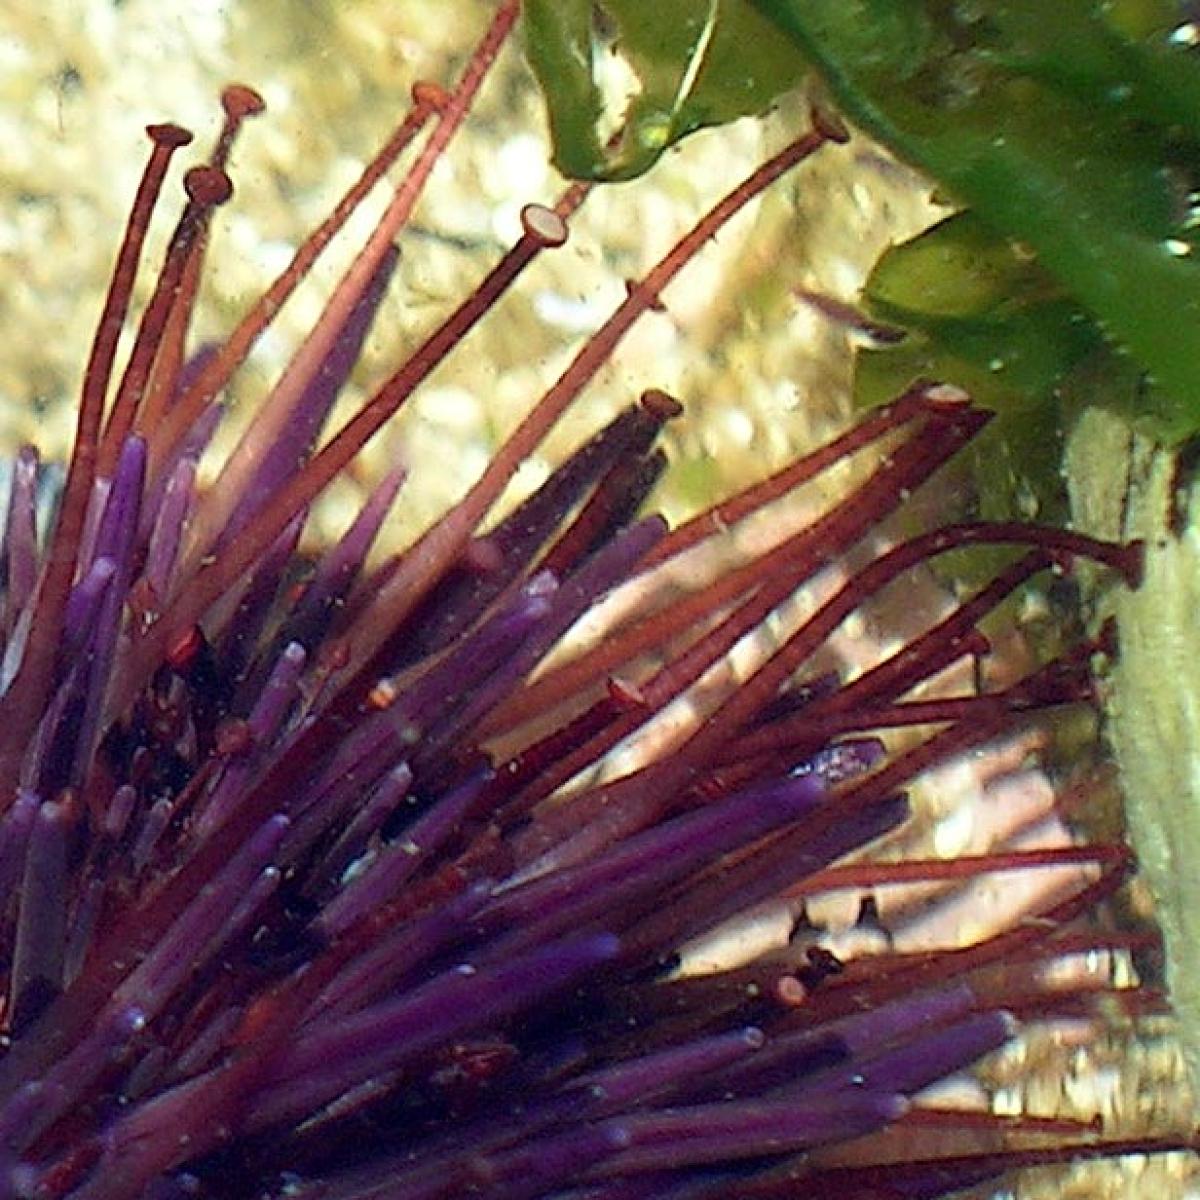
(544, 225)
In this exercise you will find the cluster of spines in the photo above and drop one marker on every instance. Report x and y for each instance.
(306, 864)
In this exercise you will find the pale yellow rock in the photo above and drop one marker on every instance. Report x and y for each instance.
(1125, 486)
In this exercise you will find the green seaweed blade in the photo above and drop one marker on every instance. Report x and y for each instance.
(693, 63)
(1073, 130)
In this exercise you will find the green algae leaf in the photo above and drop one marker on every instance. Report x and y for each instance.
(690, 64)
(1072, 129)
(973, 298)
(984, 314)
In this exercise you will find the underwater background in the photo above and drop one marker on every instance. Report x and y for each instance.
(760, 372)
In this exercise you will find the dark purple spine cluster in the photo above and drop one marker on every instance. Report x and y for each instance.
(311, 880)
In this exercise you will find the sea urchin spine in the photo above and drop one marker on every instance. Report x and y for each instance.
(310, 884)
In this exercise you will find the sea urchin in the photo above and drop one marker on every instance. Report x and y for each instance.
(310, 883)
